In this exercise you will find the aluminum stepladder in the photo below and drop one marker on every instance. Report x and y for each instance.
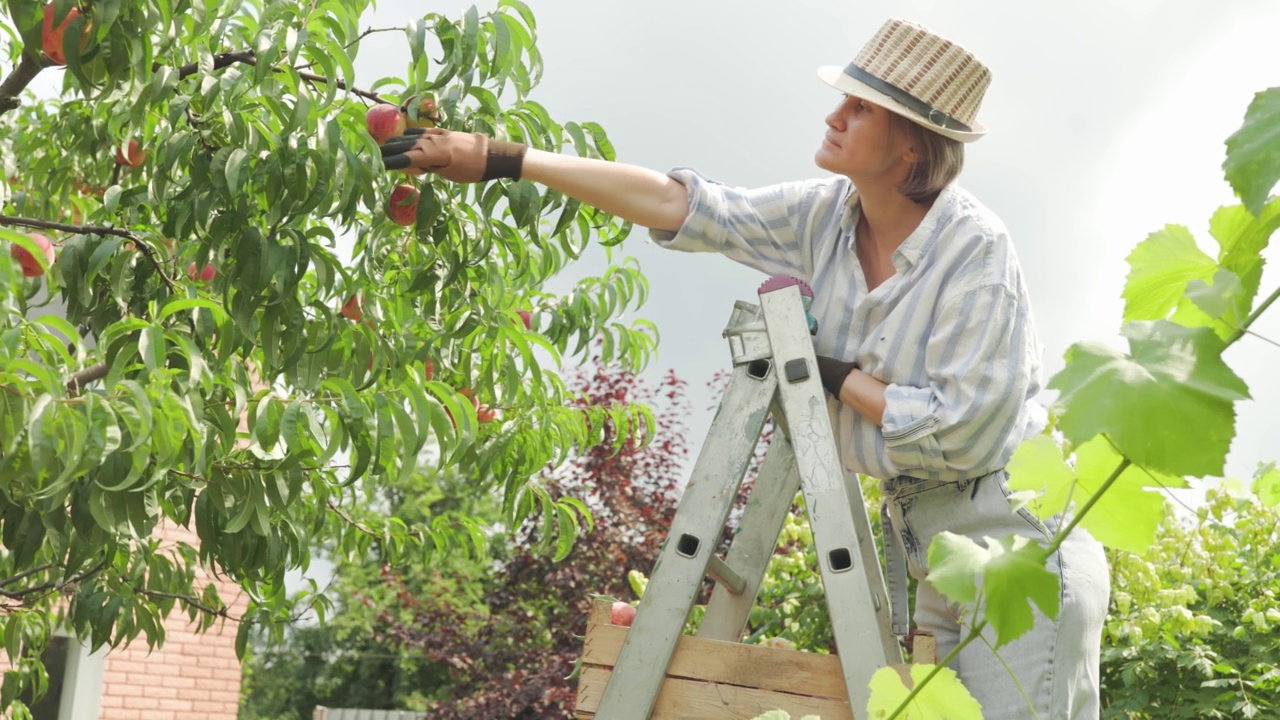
(774, 371)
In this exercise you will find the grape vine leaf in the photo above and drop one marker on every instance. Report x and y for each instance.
(1266, 484)
(1160, 268)
(1125, 517)
(1217, 304)
(943, 698)
(1253, 152)
(1168, 405)
(1013, 576)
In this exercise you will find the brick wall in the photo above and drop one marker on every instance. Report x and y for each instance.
(191, 677)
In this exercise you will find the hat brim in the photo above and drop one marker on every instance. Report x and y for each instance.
(836, 78)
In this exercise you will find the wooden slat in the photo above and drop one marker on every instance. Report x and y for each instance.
(695, 700)
(814, 674)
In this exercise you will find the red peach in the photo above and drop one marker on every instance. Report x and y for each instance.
(206, 274)
(384, 121)
(353, 308)
(51, 38)
(622, 614)
(135, 156)
(403, 208)
(31, 267)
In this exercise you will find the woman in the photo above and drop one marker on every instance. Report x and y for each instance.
(926, 340)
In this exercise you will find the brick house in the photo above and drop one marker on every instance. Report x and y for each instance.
(191, 677)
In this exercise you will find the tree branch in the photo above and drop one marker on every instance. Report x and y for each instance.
(25, 574)
(222, 60)
(20, 595)
(90, 374)
(26, 71)
(144, 247)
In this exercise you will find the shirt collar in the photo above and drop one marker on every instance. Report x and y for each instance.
(925, 236)
(921, 240)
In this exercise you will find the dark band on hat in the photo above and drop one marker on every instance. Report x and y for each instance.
(913, 103)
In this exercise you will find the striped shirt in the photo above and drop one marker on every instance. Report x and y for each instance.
(950, 333)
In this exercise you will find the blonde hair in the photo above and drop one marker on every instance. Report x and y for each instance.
(941, 160)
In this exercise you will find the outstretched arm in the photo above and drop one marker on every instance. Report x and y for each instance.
(644, 197)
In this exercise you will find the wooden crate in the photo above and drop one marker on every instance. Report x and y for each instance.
(715, 680)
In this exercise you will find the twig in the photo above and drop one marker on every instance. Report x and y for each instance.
(360, 37)
(25, 574)
(188, 600)
(352, 522)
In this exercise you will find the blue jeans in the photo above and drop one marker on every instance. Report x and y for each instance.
(1051, 672)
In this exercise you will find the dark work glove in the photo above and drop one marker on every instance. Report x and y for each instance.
(833, 372)
(456, 156)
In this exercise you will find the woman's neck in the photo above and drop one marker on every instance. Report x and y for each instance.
(888, 219)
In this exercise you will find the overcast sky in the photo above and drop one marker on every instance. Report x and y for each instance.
(1106, 121)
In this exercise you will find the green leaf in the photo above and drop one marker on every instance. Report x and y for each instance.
(1266, 484)
(1125, 517)
(943, 698)
(1160, 268)
(1253, 152)
(1168, 405)
(955, 564)
(1013, 578)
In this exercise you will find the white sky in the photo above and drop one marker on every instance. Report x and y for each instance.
(1106, 121)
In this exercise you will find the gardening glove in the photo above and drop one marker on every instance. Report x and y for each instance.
(833, 372)
(459, 157)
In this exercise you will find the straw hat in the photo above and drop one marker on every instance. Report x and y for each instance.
(925, 78)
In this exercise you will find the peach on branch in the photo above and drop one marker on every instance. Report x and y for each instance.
(133, 157)
(353, 308)
(51, 38)
(403, 207)
(424, 107)
(31, 267)
(384, 121)
(203, 275)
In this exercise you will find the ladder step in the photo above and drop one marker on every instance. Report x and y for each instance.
(720, 571)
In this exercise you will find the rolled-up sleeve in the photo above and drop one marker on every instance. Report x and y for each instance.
(978, 373)
(760, 228)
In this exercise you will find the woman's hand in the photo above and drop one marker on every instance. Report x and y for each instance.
(455, 156)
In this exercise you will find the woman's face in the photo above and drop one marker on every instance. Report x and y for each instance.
(866, 143)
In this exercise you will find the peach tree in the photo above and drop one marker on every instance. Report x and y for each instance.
(231, 334)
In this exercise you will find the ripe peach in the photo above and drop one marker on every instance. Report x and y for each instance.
(353, 308)
(135, 156)
(427, 112)
(403, 207)
(527, 317)
(623, 614)
(30, 265)
(204, 275)
(51, 38)
(384, 121)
